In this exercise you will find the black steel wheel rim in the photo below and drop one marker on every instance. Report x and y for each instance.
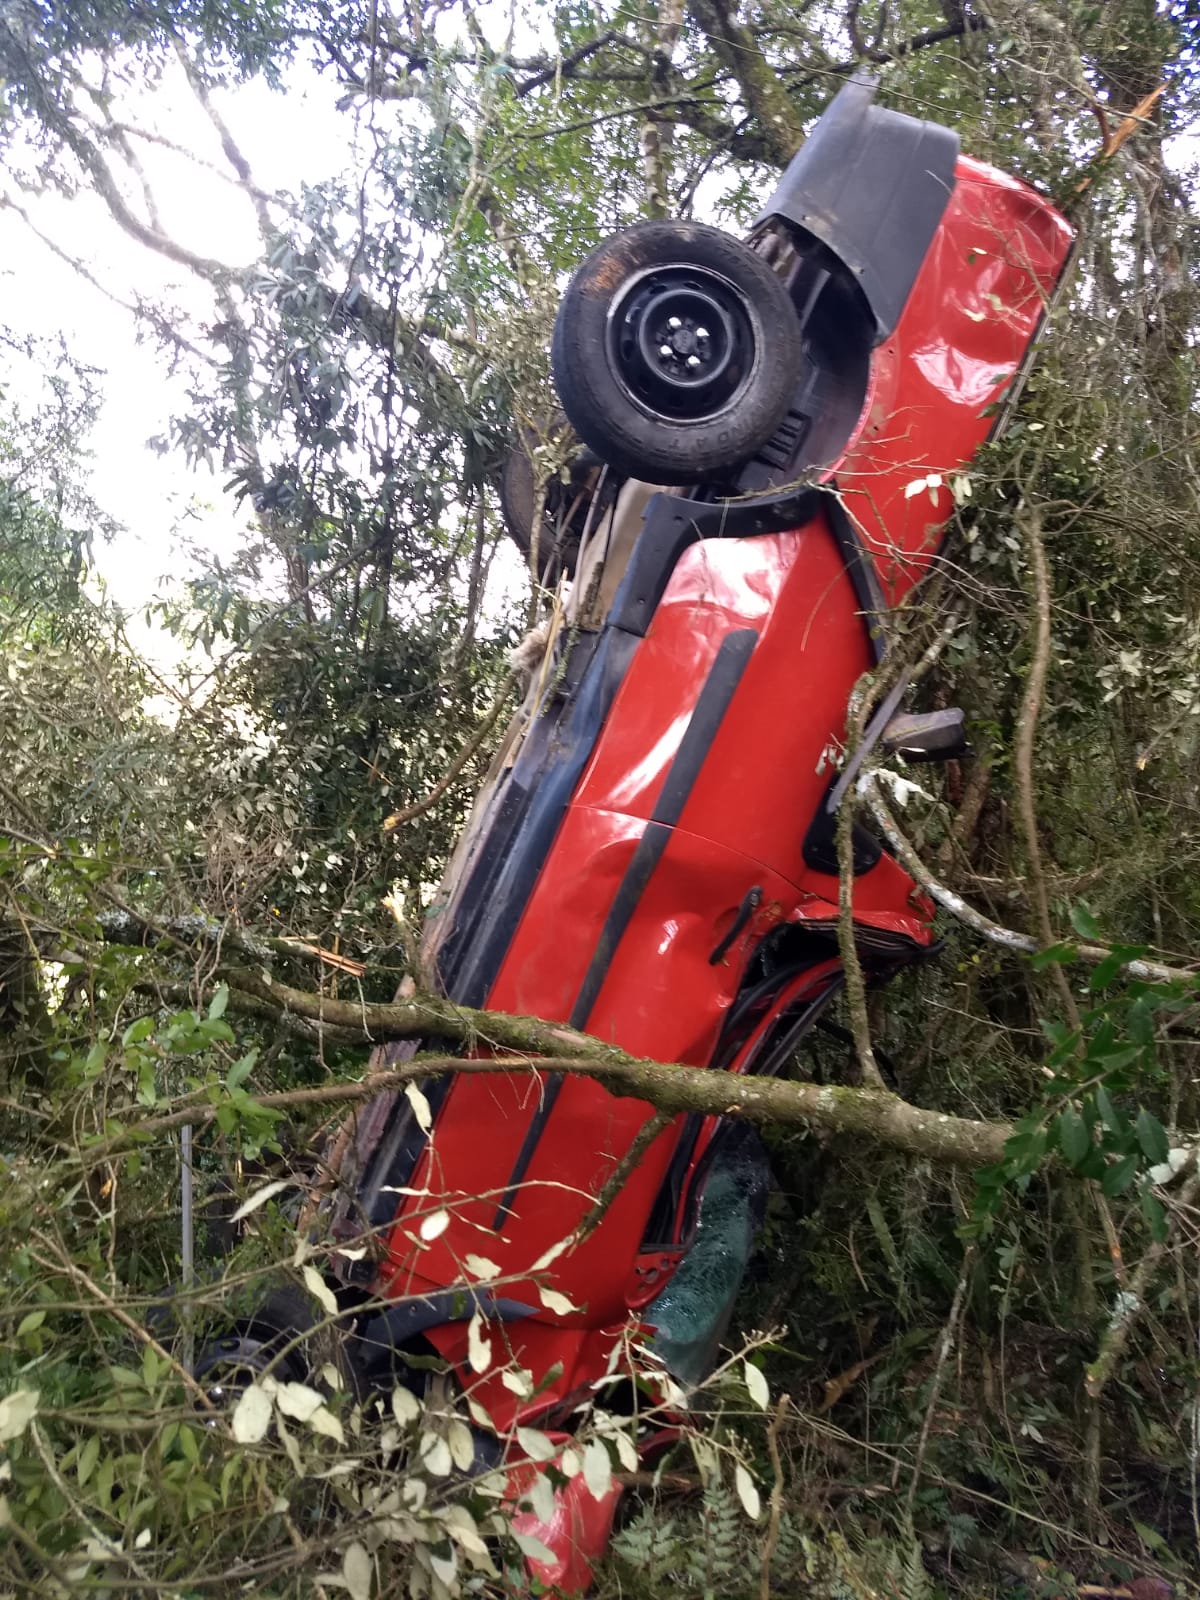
(225, 1369)
(681, 342)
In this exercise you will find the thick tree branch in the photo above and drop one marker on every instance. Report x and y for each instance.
(877, 1116)
(229, 147)
(1026, 740)
(656, 130)
(206, 267)
(762, 91)
(1008, 938)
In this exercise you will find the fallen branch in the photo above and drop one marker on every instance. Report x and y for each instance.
(877, 1115)
(1024, 744)
(855, 982)
(1091, 955)
(125, 927)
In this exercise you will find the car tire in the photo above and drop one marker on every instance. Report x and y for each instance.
(676, 352)
(567, 505)
(558, 546)
(284, 1335)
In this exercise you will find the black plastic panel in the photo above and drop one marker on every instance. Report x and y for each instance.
(871, 185)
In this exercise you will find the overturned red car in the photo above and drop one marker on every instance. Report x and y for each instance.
(771, 431)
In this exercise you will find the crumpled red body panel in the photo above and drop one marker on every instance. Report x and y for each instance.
(577, 1535)
(518, 1162)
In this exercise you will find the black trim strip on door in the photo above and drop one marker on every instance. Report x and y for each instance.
(566, 727)
(860, 565)
(718, 690)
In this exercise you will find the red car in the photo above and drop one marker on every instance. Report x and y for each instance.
(653, 859)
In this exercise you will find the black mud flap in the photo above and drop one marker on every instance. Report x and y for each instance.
(871, 185)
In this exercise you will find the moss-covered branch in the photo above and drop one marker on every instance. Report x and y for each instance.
(875, 1115)
(764, 95)
(529, 1045)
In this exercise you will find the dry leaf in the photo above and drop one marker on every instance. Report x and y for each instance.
(537, 1446)
(356, 1570)
(421, 1108)
(320, 1290)
(756, 1385)
(747, 1492)
(479, 1347)
(597, 1469)
(260, 1197)
(433, 1226)
(251, 1416)
(17, 1411)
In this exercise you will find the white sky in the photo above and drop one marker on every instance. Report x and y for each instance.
(289, 138)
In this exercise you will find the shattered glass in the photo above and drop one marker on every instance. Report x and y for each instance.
(692, 1312)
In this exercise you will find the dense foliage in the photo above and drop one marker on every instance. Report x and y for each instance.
(974, 1382)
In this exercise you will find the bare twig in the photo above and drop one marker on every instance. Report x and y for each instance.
(945, 1349)
(457, 766)
(1008, 938)
(1023, 746)
(62, 1262)
(775, 1510)
(619, 1176)
(1130, 1300)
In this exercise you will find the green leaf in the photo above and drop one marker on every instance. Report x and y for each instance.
(1024, 1149)
(1116, 1060)
(1065, 1040)
(1093, 1164)
(1119, 1176)
(1139, 1021)
(137, 1031)
(1118, 958)
(1106, 971)
(88, 1457)
(1058, 1033)
(1109, 1115)
(240, 1071)
(1053, 954)
(1156, 1216)
(216, 1006)
(1084, 922)
(1152, 1137)
(30, 1323)
(1152, 1541)
(1073, 1137)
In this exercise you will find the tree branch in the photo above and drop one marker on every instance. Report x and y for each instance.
(1131, 1299)
(657, 130)
(1023, 747)
(764, 94)
(877, 1115)
(856, 988)
(232, 153)
(565, 66)
(455, 770)
(1020, 943)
